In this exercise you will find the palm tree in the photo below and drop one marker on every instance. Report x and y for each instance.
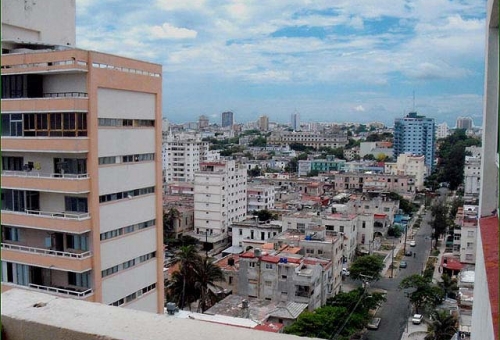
(206, 274)
(442, 327)
(187, 258)
(449, 286)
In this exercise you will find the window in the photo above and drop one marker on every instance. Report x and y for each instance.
(269, 266)
(11, 234)
(251, 264)
(79, 279)
(470, 233)
(12, 163)
(469, 257)
(268, 283)
(79, 242)
(470, 245)
(75, 204)
(230, 280)
(240, 232)
(107, 160)
(341, 228)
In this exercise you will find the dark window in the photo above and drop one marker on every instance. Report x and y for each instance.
(12, 163)
(75, 204)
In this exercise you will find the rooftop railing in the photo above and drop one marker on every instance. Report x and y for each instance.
(43, 175)
(63, 291)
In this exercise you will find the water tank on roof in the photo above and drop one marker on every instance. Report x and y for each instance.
(285, 260)
(171, 308)
(257, 252)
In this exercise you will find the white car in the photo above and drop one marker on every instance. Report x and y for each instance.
(417, 319)
(374, 323)
(345, 272)
(413, 243)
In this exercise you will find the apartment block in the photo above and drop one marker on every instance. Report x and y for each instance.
(415, 134)
(183, 154)
(485, 313)
(81, 176)
(220, 199)
(374, 183)
(313, 139)
(260, 197)
(81, 164)
(411, 165)
(472, 172)
(285, 277)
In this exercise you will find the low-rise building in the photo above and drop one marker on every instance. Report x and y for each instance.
(307, 138)
(260, 197)
(408, 164)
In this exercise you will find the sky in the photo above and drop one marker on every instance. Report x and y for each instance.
(328, 60)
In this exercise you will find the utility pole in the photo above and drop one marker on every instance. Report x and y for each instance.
(392, 262)
(406, 232)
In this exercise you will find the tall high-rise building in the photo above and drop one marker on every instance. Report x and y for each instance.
(203, 122)
(485, 313)
(227, 119)
(415, 134)
(465, 123)
(81, 165)
(220, 198)
(295, 121)
(263, 123)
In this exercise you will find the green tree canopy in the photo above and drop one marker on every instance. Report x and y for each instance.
(367, 268)
(442, 327)
(424, 294)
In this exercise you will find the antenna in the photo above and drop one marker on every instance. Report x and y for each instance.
(413, 101)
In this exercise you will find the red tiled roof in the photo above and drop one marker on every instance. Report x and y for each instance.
(269, 258)
(452, 263)
(270, 327)
(489, 237)
(380, 215)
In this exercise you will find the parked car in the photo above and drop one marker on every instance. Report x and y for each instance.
(374, 323)
(413, 243)
(403, 264)
(409, 253)
(345, 272)
(417, 319)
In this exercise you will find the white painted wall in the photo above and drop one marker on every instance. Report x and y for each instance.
(122, 213)
(125, 104)
(76, 82)
(146, 303)
(120, 142)
(127, 176)
(129, 281)
(34, 21)
(121, 249)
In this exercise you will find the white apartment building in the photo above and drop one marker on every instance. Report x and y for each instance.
(442, 130)
(408, 164)
(220, 199)
(183, 153)
(81, 165)
(465, 234)
(285, 277)
(472, 172)
(253, 233)
(260, 197)
(313, 139)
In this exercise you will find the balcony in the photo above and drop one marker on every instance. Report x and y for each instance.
(76, 293)
(61, 101)
(46, 144)
(50, 182)
(60, 61)
(70, 222)
(47, 258)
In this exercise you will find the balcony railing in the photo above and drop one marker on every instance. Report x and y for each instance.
(46, 251)
(63, 291)
(64, 215)
(65, 95)
(43, 175)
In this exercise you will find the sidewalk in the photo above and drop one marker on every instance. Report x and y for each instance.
(414, 332)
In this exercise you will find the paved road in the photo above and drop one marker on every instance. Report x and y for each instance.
(395, 311)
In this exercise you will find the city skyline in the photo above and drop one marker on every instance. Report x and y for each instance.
(347, 62)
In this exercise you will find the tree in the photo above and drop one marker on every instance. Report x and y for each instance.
(449, 286)
(369, 157)
(313, 173)
(440, 221)
(442, 327)
(169, 220)
(260, 141)
(254, 172)
(424, 294)
(367, 268)
(186, 257)
(321, 323)
(206, 274)
(404, 204)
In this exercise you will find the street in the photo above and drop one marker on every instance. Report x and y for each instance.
(396, 310)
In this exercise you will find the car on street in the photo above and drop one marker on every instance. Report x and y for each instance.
(408, 253)
(413, 243)
(403, 264)
(345, 272)
(374, 323)
(417, 319)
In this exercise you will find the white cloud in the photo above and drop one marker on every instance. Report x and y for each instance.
(167, 31)
(359, 108)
